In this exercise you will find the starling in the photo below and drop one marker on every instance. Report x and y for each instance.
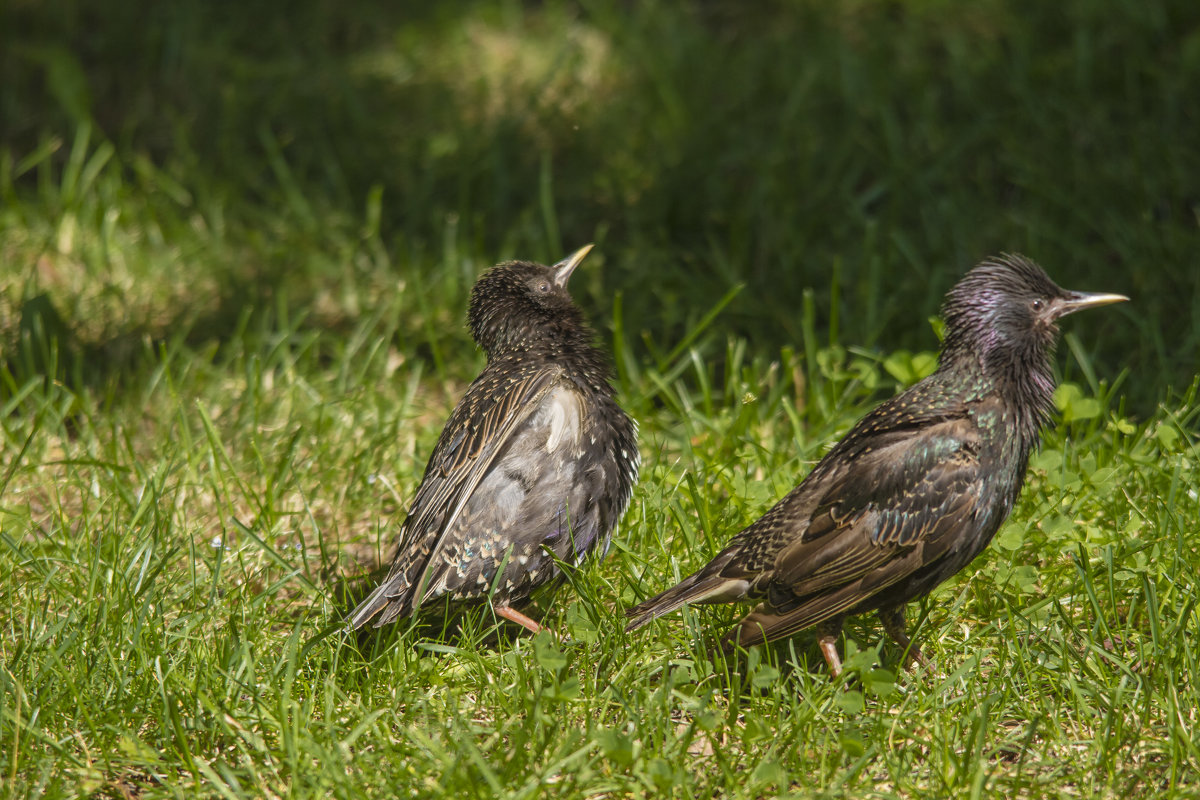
(536, 463)
(916, 489)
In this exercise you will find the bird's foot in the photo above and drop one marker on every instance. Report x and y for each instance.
(915, 656)
(894, 626)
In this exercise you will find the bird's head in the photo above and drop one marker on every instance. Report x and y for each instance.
(1004, 312)
(518, 303)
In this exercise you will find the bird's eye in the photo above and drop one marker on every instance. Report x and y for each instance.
(543, 287)
(1038, 304)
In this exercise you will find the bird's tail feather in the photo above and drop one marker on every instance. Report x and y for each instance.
(385, 595)
(702, 587)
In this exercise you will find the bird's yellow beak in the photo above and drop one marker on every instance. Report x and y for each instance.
(1077, 301)
(564, 268)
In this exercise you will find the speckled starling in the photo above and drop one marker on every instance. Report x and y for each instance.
(536, 463)
(916, 489)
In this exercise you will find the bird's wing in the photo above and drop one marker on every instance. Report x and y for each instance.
(886, 486)
(886, 513)
(481, 424)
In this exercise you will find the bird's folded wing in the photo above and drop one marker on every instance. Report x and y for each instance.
(495, 406)
(901, 496)
(872, 527)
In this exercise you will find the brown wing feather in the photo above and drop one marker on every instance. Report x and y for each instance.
(494, 406)
(873, 548)
(856, 526)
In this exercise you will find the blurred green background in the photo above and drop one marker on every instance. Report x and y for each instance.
(166, 166)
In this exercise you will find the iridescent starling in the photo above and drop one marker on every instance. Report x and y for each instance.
(916, 489)
(536, 463)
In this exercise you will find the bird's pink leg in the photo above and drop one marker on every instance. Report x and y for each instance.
(827, 636)
(512, 615)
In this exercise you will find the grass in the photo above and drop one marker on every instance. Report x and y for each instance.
(168, 555)
(235, 255)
